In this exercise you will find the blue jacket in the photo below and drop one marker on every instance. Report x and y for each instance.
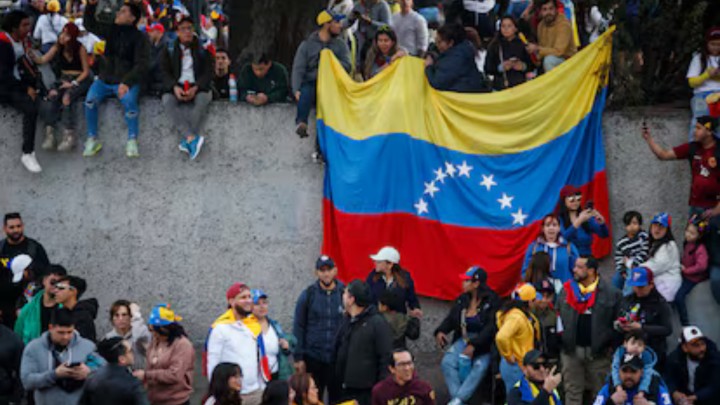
(581, 238)
(455, 70)
(562, 258)
(658, 394)
(318, 315)
(648, 357)
(407, 294)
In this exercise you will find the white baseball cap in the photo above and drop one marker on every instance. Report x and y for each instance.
(387, 254)
(690, 333)
(17, 265)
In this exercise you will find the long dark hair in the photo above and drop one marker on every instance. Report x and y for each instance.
(173, 331)
(495, 43)
(277, 392)
(539, 267)
(219, 388)
(300, 383)
(656, 244)
(73, 45)
(564, 214)
(400, 276)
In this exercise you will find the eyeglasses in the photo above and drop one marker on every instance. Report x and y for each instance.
(539, 365)
(404, 364)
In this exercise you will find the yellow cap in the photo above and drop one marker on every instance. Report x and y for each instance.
(214, 15)
(525, 292)
(324, 17)
(53, 6)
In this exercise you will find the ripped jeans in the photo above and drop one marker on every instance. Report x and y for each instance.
(98, 92)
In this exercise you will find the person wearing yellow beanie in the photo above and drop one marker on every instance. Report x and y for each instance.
(49, 26)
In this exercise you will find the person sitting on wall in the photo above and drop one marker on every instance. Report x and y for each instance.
(263, 81)
(555, 37)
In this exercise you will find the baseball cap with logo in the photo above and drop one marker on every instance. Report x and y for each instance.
(640, 277)
(17, 265)
(690, 333)
(632, 361)
(663, 219)
(474, 273)
(324, 261)
(387, 254)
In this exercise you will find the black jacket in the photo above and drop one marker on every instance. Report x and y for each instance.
(126, 50)
(171, 65)
(84, 315)
(11, 348)
(655, 316)
(8, 82)
(604, 314)
(510, 49)
(455, 70)
(489, 305)
(113, 385)
(362, 349)
(707, 375)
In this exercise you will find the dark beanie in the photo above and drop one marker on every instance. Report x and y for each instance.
(360, 290)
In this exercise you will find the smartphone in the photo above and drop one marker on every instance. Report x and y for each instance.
(590, 205)
(644, 125)
(75, 364)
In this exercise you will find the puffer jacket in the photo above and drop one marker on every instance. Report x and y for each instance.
(127, 51)
(455, 70)
(318, 315)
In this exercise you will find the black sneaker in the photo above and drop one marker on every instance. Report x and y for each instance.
(301, 130)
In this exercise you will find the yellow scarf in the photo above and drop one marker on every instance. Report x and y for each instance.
(590, 288)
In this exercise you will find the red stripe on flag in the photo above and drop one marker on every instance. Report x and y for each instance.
(436, 253)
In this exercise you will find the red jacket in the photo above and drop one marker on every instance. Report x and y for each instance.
(695, 262)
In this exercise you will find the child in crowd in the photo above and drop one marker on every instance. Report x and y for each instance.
(634, 345)
(694, 265)
(544, 310)
(664, 258)
(402, 325)
(538, 269)
(631, 250)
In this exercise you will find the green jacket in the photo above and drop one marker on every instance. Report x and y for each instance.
(285, 365)
(28, 325)
(274, 84)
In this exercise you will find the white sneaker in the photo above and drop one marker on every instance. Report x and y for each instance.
(30, 162)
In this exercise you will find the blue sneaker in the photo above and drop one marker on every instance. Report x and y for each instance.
(184, 147)
(195, 146)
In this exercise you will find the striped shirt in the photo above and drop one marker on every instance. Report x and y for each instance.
(636, 249)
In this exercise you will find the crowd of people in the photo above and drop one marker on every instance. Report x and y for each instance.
(565, 334)
(58, 57)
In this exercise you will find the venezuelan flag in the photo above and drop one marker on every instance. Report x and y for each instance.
(453, 179)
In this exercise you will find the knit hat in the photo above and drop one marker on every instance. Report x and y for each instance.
(162, 315)
(53, 6)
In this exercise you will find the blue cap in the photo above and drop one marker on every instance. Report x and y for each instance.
(257, 294)
(474, 273)
(639, 277)
(162, 315)
(324, 261)
(663, 219)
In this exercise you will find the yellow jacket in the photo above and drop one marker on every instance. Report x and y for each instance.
(517, 334)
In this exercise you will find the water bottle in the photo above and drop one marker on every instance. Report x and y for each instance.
(232, 84)
(464, 367)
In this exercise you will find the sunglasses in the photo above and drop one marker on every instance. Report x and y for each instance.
(63, 287)
(575, 198)
(539, 365)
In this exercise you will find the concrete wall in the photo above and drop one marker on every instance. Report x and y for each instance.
(162, 228)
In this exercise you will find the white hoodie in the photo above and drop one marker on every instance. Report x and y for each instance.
(665, 265)
(235, 343)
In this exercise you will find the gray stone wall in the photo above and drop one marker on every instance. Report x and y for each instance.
(162, 228)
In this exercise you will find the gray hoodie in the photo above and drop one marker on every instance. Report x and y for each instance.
(37, 369)
(307, 58)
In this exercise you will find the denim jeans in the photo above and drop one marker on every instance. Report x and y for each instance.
(98, 92)
(463, 390)
(712, 237)
(516, 8)
(680, 297)
(550, 62)
(306, 101)
(511, 374)
(618, 281)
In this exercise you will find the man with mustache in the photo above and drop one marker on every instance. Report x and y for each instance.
(14, 244)
(693, 369)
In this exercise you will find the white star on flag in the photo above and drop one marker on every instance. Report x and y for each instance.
(440, 176)
(505, 201)
(421, 207)
(488, 181)
(519, 217)
(464, 169)
(431, 189)
(450, 169)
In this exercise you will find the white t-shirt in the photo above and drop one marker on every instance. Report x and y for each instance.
(187, 73)
(272, 348)
(692, 367)
(48, 28)
(694, 71)
(19, 51)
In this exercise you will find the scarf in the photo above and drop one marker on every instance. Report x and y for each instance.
(529, 391)
(579, 297)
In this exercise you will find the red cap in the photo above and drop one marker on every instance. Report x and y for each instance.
(712, 34)
(234, 290)
(569, 190)
(155, 27)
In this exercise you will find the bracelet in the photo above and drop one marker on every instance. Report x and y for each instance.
(75, 83)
